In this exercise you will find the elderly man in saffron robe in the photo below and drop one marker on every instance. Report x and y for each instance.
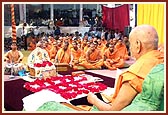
(144, 48)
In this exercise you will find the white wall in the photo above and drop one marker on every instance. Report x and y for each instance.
(8, 30)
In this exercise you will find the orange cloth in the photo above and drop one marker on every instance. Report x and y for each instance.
(76, 55)
(101, 47)
(122, 51)
(52, 53)
(137, 72)
(59, 23)
(104, 42)
(51, 50)
(70, 46)
(82, 57)
(64, 56)
(117, 62)
(48, 48)
(32, 43)
(86, 49)
(83, 45)
(32, 46)
(93, 57)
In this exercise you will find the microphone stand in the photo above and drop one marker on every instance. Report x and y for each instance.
(12, 70)
(57, 66)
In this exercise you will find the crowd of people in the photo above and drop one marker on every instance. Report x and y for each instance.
(93, 50)
(144, 47)
(97, 52)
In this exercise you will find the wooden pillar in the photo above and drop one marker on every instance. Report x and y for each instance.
(13, 23)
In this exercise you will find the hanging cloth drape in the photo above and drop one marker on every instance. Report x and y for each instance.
(152, 14)
(13, 23)
(116, 18)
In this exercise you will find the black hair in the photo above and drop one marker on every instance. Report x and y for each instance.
(67, 43)
(95, 42)
(14, 43)
(75, 42)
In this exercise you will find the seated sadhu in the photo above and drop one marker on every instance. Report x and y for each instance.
(32, 44)
(87, 46)
(103, 40)
(122, 50)
(76, 54)
(101, 46)
(13, 55)
(111, 61)
(143, 47)
(83, 44)
(63, 54)
(53, 51)
(48, 47)
(59, 44)
(114, 41)
(93, 58)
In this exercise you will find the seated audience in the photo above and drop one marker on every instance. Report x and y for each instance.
(101, 46)
(127, 44)
(93, 58)
(122, 50)
(87, 46)
(53, 51)
(143, 47)
(114, 41)
(32, 44)
(76, 54)
(63, 54)
(111, 60)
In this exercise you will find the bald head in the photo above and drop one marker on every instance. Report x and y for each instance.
(146, 34)
(143, 38)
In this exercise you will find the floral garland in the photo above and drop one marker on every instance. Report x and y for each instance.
(67, 86)
(43, 64)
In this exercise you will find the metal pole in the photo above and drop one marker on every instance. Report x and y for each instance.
(51, 12)
(81, 12)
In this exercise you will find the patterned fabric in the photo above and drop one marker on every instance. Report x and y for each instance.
(152, 96)
(150, 99)
(54, 106)
(37, 55)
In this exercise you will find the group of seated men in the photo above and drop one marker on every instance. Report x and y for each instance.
(94, 53)
(141, 86)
